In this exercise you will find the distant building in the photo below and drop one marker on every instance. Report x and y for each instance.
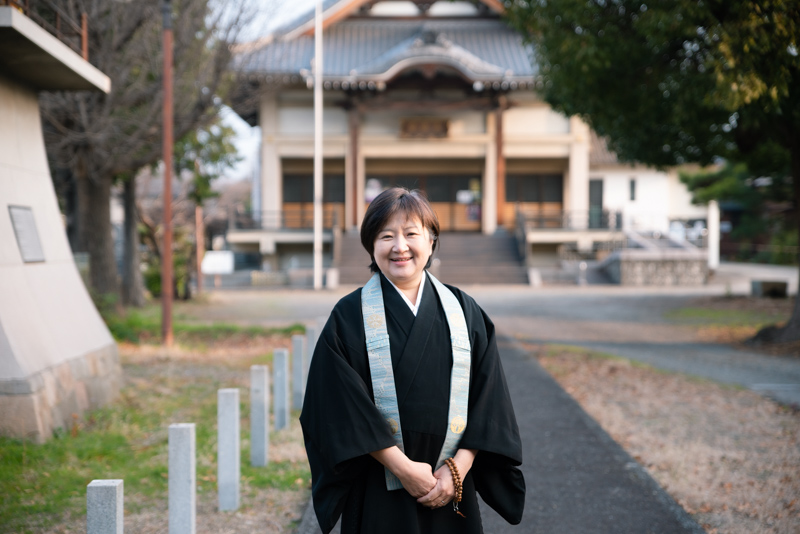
(57, 358)
(439, 96)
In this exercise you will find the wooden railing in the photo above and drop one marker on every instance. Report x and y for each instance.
(53, 19)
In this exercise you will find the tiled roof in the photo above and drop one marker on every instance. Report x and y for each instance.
(373, 50)
(599, 154)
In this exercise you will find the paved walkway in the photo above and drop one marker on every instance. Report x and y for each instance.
(579, 480)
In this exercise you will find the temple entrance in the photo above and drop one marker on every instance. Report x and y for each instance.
(453, 186)
(456, 198)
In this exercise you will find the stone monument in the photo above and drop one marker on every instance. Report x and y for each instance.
(57, 358)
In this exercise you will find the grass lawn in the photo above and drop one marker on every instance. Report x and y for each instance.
(734, 319)
(43, 486)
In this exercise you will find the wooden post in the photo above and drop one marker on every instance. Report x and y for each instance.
(85, 36)
(501, 160)
(200, 245)
(166, 252)
(354, 133)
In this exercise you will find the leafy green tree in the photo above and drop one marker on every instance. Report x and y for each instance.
(677, 81)
(205, 154)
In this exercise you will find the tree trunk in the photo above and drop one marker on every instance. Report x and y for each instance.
(94, 214)
(200, 245)
(791, 330)
(132, 285)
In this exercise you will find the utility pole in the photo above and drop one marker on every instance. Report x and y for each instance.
(318, 146)
(166, 251)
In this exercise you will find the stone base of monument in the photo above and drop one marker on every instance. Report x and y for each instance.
(35, 406)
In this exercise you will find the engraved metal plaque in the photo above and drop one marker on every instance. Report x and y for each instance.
(27, 236)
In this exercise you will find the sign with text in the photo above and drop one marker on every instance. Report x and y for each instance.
(30, 247)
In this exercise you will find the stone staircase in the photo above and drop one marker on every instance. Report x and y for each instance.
(465, 258)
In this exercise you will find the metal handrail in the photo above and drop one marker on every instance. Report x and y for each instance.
(35, 13)
(569, 220)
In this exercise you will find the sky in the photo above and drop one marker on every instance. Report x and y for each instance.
(271, 14)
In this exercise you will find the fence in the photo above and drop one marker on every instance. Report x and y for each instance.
(56, 21)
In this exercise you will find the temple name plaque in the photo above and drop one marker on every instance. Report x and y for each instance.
(30, 247)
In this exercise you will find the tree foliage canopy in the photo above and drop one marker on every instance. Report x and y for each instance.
(673, 81)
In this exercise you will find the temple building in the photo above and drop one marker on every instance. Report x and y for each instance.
(439, 96)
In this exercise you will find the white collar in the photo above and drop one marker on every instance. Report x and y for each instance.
(414, 307)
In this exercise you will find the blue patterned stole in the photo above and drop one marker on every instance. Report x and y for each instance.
(380, 367)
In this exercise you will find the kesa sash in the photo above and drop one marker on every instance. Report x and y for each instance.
(380, 367)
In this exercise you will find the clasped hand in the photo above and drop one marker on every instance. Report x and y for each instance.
(431, 489)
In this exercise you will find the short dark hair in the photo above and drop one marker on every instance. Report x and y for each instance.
(390, 202)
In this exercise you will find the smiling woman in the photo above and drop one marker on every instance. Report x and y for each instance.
(399, 232)
(406, 408)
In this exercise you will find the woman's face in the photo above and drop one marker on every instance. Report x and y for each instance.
(402, 249)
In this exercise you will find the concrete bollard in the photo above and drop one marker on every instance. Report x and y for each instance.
(280, 401)
(259, 415)
(311, 344)
(321, 322)
(228, 449)
(104, 507)
(182, 479)
(298, 371)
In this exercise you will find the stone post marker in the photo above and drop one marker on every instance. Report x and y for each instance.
(228, 449)
(259, 415)
(182, 479)
(104, 509)
(311, 343)
(281, 384)
(298, 371)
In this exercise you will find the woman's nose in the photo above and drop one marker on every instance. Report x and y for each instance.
(400, 243)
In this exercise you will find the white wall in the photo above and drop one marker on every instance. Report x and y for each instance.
(300, 121)
(45, 311)
(660, 197)
(536, 120)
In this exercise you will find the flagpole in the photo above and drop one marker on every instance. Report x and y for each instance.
(318, 146)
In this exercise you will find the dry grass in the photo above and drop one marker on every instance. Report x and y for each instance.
(730, 457)
(161, 387)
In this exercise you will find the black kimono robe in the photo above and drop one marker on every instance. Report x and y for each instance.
(341, 424)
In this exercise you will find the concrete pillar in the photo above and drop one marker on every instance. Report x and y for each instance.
(271, 172)
(578, 170)
(182, 479)
(361, 182)
(298, 371)
(259, 415)
(489, 193)
(104, 507)
(228, 449)
(351, 169)
(713, 235)
(280, 362)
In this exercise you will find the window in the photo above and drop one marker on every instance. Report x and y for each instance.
(633, 188)
(300, 188)
(534, 188)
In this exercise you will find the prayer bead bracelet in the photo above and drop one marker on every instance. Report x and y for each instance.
(456, 484)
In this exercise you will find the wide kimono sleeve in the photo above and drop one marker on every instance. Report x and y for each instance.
(492, 426)
(341, 424)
